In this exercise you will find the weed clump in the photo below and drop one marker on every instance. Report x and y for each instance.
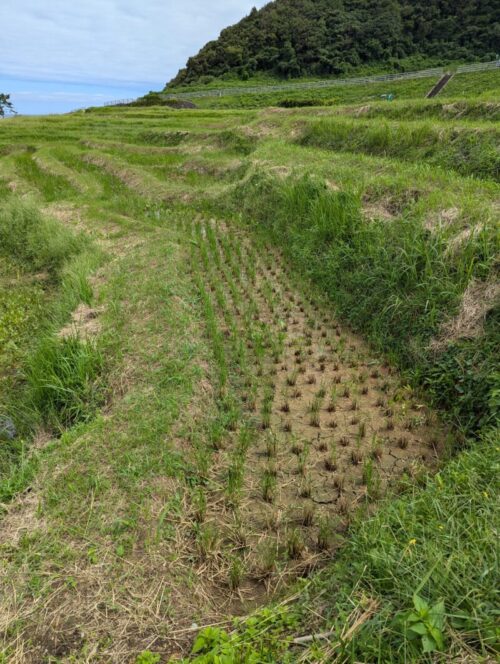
(64, 380)
(37, 242)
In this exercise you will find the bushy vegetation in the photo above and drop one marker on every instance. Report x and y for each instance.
(291, 38)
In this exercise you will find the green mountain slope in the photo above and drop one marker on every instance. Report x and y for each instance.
(292, 38)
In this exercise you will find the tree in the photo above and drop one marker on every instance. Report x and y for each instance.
(5, 105)
(291, 38)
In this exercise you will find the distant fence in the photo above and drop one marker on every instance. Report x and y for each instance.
(119, 102)
(333, 82)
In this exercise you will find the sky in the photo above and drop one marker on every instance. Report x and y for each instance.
(61, 55)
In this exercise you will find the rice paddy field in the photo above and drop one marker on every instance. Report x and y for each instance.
(250, 381)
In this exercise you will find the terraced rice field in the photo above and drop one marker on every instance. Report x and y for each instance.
(234, 351)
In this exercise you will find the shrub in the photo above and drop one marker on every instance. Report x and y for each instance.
(298, 103)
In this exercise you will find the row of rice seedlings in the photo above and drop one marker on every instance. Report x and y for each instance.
(261, 340)
(214, 333)
(269, 479)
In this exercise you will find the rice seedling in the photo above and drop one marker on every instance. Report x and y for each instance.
(307, 515)
(207, 539)
(356, 456)
(295, 545)
(267, 560)
(331, 462)
(376, 448)
(343, 505)
(325, 537)
(271, 446)
(303, 460)
(234, 482)
(268, 487)
(332, 406)
(315, 420)
(236, 573)
(199, 505)
(339, 482)
(367, 473)
(403, 442)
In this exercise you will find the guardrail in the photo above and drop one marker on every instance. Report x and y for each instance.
(119, 102)
(334, 82)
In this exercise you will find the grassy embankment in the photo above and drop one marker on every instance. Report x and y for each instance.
(246, 433)
(482, 85)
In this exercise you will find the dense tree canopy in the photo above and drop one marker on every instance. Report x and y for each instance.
(291, 38)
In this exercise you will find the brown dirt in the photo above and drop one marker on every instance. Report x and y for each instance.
(477, 301)
(84, 323)
(328, 466)
(374, 211)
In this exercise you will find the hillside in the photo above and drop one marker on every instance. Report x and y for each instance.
(249, 367)
(293, 38)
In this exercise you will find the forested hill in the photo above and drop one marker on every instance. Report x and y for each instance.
(292, 38)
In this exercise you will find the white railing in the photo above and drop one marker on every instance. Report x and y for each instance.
(334, 82)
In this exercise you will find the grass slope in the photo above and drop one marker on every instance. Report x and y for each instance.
(202, 427)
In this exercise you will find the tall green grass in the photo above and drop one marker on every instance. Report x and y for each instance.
(35, 241)
(396, 282)
(470, 151)
(63, 379)
(43, 379)
(419, 109)
(50, 185)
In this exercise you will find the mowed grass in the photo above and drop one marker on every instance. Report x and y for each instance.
(208, 430)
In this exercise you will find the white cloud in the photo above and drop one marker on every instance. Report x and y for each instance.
(113, 41)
